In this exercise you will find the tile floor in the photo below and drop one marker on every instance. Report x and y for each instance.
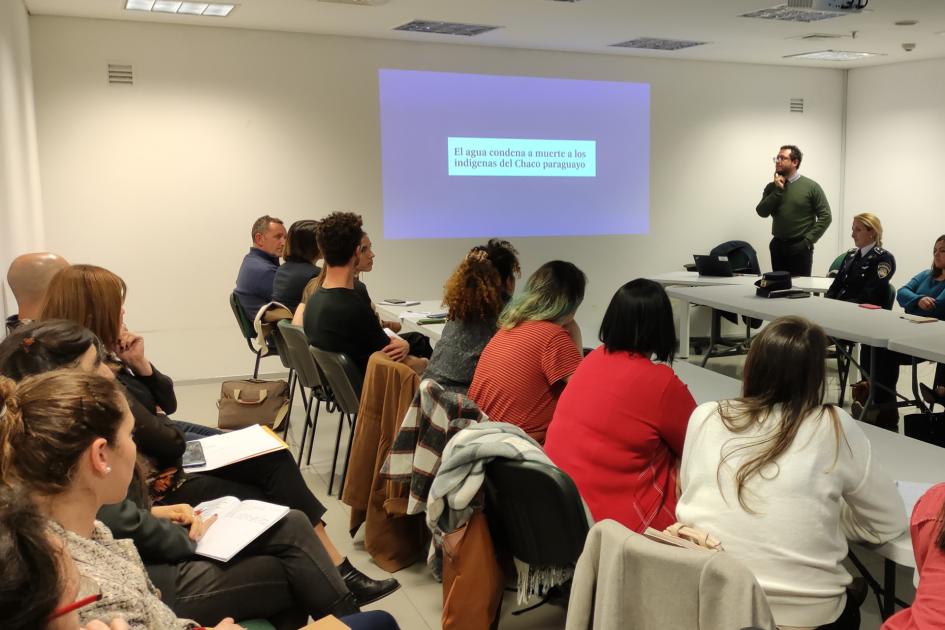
(417, 605)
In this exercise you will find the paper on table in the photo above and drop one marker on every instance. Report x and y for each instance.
(404, 303)
(238, 524)
(911, 492)
(235, 446)
(414, 316)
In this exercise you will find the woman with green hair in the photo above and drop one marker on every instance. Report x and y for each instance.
(525, 366)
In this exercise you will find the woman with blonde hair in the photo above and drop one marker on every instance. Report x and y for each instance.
(784, 480)
(525, 366)
(863, 278)
(474, 294)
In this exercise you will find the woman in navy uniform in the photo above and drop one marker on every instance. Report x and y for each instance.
(863, 278)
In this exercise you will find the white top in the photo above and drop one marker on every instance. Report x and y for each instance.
(806, 507)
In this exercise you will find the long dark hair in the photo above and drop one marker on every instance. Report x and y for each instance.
(936, 270)
(784, 368)
(30, 582)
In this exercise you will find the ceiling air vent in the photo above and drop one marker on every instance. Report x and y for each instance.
(796, 106)
(445, 28)
(361, 3)
(815, 37)
(788, 14)
(119, 74)
(656, 43)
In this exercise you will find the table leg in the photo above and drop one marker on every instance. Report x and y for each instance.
(889, 589)
(872, 380)
(683, 331)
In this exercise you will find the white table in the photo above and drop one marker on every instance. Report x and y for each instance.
(812, 284)
(904, 458)
(433, 331)
(926, 342)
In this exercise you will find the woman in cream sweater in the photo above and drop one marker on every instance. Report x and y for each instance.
(784, 480)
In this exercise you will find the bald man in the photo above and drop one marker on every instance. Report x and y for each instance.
(29, 276)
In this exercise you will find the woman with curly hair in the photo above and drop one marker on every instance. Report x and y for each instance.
(475, 294)
(525, 366)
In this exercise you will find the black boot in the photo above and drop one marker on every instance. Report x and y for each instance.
(365, 589)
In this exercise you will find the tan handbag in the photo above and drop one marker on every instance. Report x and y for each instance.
(252, 401)
(684, 536)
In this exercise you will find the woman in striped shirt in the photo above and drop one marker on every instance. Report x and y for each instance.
(525, 366)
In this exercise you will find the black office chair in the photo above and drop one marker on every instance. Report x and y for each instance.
(345, 381)
(307, 375)
(246, 328)
(743, 259)
(535, 513)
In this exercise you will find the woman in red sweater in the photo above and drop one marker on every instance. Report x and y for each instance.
(928, 542)
(620, 424)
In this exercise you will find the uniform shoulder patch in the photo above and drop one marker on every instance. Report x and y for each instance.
(883, 269)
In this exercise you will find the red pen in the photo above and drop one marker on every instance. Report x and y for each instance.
(79, 603)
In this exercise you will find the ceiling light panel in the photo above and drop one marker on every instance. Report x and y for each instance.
(786, 14)
(834, 55)
(177, 7)
(193, 8)
(166, 6)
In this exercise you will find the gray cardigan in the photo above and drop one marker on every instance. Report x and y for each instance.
(625, 580)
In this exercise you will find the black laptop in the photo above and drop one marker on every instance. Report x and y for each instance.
(717, 266)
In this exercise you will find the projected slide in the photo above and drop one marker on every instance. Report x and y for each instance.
(467, 155)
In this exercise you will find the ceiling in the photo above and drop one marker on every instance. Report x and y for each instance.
(588, 26)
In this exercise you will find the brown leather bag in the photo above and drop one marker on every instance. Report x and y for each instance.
(472, 578)
(252, 401)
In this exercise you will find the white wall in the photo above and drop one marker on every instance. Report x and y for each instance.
(21, 227)
(896, 157)
(161, 181)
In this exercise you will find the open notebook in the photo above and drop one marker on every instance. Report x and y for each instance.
(238, 524)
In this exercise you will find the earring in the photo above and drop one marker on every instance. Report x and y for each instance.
(108, 469)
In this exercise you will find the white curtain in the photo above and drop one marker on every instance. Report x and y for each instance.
(21, 219)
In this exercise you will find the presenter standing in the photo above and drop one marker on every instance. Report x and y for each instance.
(799, 211)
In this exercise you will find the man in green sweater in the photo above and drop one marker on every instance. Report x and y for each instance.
(800, 214)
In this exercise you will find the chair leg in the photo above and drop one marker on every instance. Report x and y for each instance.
(311, 439)
(256, 367)
(334, 457)
(715, 332)
(307, 403)
(344, 469)
(293, 381)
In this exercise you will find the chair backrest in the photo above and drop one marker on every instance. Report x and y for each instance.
(535, 510)
(343, 377)
(890, 297)
(624, 575)
(246, 326)
(299, 354)
(281, 347)
(835, 265)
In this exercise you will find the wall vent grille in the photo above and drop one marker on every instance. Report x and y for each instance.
(120, 74)
(796, 106)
